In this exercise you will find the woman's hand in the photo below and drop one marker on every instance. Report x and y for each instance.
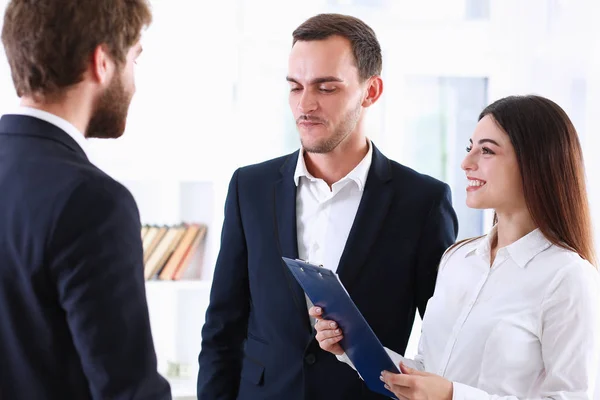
(416, 385)
(328, 332)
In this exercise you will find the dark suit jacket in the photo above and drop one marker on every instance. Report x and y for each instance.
(257, 341)
(73, 315)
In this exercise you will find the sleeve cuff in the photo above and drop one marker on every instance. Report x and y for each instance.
(397, 359)
(465, 392)
(344, 358)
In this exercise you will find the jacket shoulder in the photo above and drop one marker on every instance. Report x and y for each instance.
(269, 169)
(407, 177)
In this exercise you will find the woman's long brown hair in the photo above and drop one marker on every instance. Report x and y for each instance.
(552, 169)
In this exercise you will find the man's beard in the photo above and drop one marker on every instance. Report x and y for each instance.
(110, 113)
(341, 132)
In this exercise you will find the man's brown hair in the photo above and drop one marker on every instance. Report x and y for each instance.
(49, 43)
(364, 43)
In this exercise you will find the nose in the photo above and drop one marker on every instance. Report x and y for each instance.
(307, 103)
(469, 163)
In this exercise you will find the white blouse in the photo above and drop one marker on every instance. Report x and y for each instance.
(526, 328)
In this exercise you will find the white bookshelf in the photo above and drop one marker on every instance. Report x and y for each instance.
(177, 308)
(183, 389)
(170, 202)
(176, 317)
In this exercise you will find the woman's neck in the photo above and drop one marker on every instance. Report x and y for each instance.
(510, 228)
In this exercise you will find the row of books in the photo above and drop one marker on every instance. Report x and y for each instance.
(169, 250)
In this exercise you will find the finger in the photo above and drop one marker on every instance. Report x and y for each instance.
(401, 393)
(397, 379)
(324, 324)
(328, 344)
(315, 312)
(406, 370)
(411, 371)
(391, 389)
(328, 334)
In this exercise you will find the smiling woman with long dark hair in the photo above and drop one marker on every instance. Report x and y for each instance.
(515, 313)
(550, 160)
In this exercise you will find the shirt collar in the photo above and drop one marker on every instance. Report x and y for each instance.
(522, 251)
(55, 120)
(358, 174)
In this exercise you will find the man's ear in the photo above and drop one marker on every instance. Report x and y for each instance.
(374, 90)
(102, 65)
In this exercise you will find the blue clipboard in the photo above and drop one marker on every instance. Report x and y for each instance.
(363, 348)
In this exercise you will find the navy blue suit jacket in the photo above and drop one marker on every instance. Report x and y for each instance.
(257, 341)
(73, 315)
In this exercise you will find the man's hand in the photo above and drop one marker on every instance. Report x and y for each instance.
(328, 332)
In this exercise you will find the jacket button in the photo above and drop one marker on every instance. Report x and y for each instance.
(310, 359)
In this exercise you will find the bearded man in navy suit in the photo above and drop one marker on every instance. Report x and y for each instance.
(73, 312)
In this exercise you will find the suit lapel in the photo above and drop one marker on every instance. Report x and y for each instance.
(285, 230)
(370, 216)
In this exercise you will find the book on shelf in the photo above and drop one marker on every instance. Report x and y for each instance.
(152, 239)
(169, 251)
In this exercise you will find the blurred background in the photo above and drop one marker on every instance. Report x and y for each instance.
(212, 96)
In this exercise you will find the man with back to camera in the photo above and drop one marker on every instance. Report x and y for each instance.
(339, 202)
(73, 307)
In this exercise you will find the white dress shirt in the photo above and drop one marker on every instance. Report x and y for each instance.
(324, 216)
(526, 328)
(55, 120)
